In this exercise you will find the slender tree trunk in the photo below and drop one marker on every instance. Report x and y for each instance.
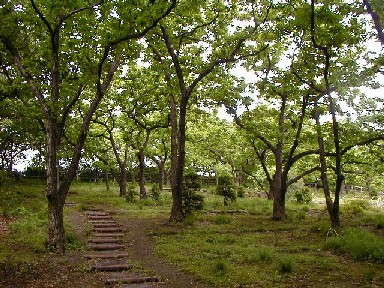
(123, 181)
(176, 171)
(143, 192)
(332, 211)
(106, 181)
(160, 166)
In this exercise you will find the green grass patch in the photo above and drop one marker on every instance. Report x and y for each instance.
(359, 244)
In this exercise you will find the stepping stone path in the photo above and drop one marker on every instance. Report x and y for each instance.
(107, 257)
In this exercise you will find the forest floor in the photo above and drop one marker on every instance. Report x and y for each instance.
(72, 269)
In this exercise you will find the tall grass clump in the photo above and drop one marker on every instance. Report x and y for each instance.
(285, 265)
(360, 244)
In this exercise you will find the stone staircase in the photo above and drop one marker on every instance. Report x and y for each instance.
(107, 256)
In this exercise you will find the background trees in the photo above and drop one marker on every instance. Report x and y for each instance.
(58, 63)
(56, 53)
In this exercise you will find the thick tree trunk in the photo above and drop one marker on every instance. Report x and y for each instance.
(143, 192)
(123, 181)
(55, 198)
(56, 229)
(278, 198)
(279, 206)
(278, 192)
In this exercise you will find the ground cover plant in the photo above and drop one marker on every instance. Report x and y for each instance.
(238, 245)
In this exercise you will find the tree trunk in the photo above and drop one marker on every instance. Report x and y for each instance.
(162, 175)
(278, 192)
(143, 192)
(123, 181)
(106, 181)
(279, 206)
(176, 171)
(55, 199)
(56, 229)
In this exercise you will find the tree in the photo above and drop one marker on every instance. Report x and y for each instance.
(57, 54)
(189, 47)
(331, 74)
(373, 9)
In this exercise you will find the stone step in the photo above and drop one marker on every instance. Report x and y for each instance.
(112, 235)
(96, 213)
(104, 240)
(106, 229)
(105, 225)
(131, 280)
(105, 247)
(144, 285)
(112, 267)
(102, 221)
(114, 255)
(100, 217)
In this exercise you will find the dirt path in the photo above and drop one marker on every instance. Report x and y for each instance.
(141, 248)
(74, 270)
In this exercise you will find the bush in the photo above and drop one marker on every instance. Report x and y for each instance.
(131, 192)
(303, 196)
(359, 244)
(192, 201)
(155, 191)
(226, 188)
(356, 207)
(241, 192)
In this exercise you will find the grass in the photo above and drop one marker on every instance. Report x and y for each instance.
(360, 244)
(233, 246)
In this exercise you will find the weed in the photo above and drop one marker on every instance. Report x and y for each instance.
(285, 265)
(379, 221)
(265, 254)
(299, 216)
(222, 219)
(221, 267)
(155, 191)
(189, 219)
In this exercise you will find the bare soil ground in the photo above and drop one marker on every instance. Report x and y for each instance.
(73, 270)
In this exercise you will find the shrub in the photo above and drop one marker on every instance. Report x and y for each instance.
(226, 188)
(155, 191)
(303, 196)
(131, 191)
(241, 192)
(192, 201)
(359, 244)
(356, 207)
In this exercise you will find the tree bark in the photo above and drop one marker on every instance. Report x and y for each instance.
(176, 187)
(123, 181)
(278, 192)
(143, 191)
